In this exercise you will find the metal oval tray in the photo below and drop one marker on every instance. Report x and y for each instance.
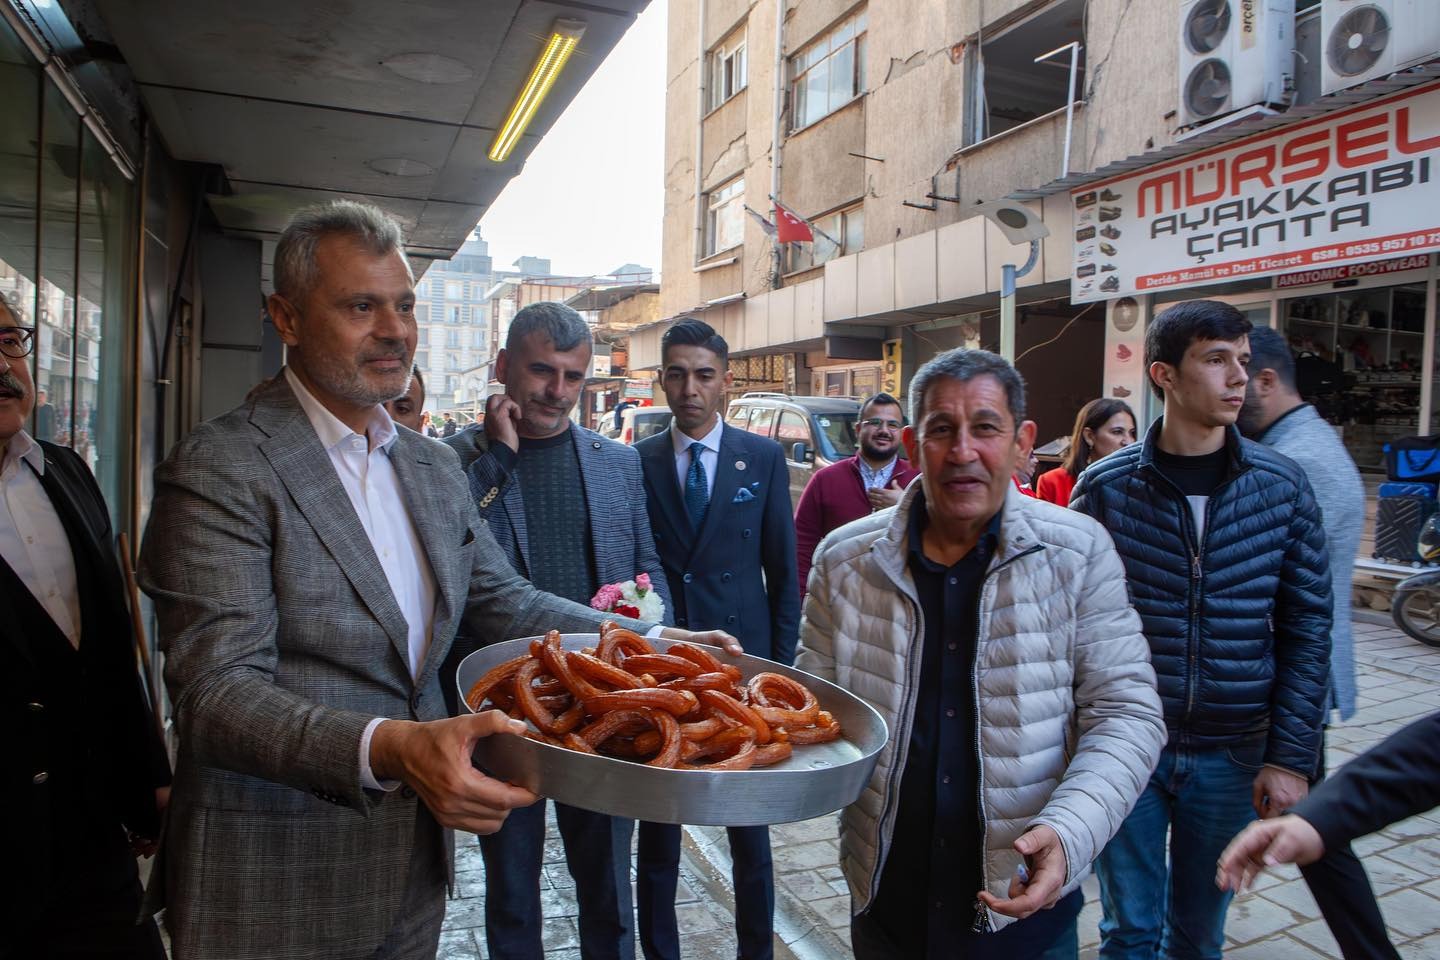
(815, 780)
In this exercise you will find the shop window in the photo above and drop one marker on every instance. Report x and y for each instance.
(729, 67)
(1359, 359)
(725, 217)
(836, 235)
(828, 73)
(1008, 88)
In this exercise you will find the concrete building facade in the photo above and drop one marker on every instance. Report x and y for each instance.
(883, 125)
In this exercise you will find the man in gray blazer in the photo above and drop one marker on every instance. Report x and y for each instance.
(567, 507)
(310, 565)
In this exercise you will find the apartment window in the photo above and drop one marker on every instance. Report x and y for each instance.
(829, 73)
(451, 384)
(452, 339)
(422, 313)
(454, 290)
(837, 234)
(477, 338)
(452, 361)
(452, 314)
(729, 67)
(1008, 87)
(725, 217)
(422, 359)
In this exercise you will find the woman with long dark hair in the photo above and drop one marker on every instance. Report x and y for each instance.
(1101, 427)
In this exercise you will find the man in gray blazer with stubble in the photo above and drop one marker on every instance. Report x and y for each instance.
(310, 564)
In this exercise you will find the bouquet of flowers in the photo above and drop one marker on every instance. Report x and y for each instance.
(635, 599)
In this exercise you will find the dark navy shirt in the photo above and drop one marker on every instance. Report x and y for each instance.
(925, 905)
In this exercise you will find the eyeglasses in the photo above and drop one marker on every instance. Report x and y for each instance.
(17, 342)
(876, 423)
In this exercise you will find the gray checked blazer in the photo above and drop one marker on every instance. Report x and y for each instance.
(614, 492)
(282, 641)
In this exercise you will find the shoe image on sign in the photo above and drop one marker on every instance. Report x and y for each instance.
(1107, 267)
(1085, 200)
(1123, 353)
(1086, 270)
(1109, 213)
(1121, 392)
(1110, 284)
(1084, 233)
(1109, 196)
(1110, 232)
(1108, 249)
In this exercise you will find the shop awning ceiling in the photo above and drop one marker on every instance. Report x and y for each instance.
(395, 103)
(602, 298)
(1256, 122)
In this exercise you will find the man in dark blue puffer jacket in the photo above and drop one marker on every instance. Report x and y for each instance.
(1226, 562)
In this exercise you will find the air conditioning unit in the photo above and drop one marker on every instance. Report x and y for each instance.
(1235, 54)
(1365, 39)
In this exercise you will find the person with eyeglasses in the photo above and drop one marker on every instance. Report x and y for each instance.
(873, 479)
(87, 795)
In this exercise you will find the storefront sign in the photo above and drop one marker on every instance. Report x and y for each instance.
(1355, 270)
(640, 389)
(1354, 186)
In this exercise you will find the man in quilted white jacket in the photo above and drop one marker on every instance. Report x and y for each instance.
(994, 634)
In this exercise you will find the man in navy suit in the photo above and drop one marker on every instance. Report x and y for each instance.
(719, 502)
(567, 508)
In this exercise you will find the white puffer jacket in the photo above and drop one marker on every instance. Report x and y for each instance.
(1070, 721)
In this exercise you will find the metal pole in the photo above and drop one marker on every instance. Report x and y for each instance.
(702, 93)
(779, 120)
(1070, 107)
(1009, 273)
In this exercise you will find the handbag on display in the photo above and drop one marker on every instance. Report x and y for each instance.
(1415, 459)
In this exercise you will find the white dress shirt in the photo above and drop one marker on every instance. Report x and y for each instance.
(32, 537)
(709, 457)
(364, 468)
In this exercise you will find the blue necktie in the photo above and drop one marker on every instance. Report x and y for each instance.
(697, 497)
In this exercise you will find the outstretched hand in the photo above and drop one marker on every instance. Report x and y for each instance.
(1039, 887)
(1267, 843)
(714, 638)
(434, 759)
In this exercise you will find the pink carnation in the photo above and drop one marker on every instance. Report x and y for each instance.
(606, 597)
(642, 581)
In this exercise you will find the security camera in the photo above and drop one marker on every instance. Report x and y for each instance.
(1015, 220)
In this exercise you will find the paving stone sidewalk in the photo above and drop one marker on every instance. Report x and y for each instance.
(1399, 681)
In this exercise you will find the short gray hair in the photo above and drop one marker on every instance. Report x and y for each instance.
(965, 365)
(295, 268)
(564, 328)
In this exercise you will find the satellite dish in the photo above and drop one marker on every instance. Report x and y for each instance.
(1207, 89)
(1358, 40)
(1207, 24)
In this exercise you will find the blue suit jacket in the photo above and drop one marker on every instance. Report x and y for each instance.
(737, 572)
(614, 497)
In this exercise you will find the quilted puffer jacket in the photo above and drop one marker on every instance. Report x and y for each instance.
(1239, 623)
(1070, 724)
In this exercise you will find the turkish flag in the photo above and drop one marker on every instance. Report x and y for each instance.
(790, 228)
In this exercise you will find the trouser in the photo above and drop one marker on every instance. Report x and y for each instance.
(597, 853)
(869, 942)
(1199, 797)
(657, 869)
(1342, 890)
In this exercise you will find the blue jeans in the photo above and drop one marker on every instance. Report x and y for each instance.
(1201, 798)
(597, 852)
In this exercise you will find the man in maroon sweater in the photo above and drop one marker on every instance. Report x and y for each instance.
(871, 480)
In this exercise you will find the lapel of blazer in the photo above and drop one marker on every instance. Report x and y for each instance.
(415, 467)
(512, 510)
(303, 466)
(658, 460)
(600, 504)
(727, 482)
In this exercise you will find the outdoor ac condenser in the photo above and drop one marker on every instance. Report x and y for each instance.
(1365, 39)
(1235, 54)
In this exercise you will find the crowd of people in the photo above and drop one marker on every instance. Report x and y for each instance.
(1120, 669)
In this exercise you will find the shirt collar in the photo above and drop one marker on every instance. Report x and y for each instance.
(711, 440)
(328, 426)
(989, 540)
(23, 447)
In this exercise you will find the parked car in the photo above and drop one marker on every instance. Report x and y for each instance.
(637, 423)
(814, 431)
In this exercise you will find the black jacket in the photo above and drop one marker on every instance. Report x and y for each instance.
(85, 758)
(1239, 625)
(737, 572)
(1398, 778)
